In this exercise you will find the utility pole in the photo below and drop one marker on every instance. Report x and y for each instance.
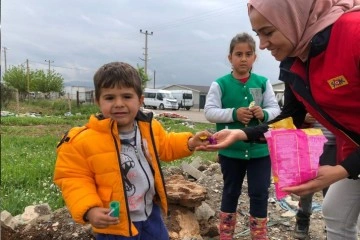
(50, 61)
(5, 48)
(146, 48)
(154, 78)
(28, 78)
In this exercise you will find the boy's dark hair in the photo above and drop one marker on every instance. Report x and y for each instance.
(117, 74)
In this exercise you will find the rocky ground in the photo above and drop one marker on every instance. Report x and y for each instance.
(58, 224)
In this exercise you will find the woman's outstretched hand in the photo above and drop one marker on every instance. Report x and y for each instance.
(224, 138)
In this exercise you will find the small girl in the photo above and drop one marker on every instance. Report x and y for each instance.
(236, 100)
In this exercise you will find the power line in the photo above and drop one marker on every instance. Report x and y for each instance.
(198, 17)
(57, 66)
(187, 20)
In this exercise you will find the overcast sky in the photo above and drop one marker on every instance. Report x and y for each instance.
(189, 45)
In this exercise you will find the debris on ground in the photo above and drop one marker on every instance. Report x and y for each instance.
(194, 193)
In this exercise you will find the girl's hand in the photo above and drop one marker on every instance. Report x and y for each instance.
(257, 112)
(244, 115)
(99, 218)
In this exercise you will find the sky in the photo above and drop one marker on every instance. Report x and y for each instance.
(189, 43)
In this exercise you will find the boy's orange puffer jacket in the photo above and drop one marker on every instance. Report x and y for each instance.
(88, 173)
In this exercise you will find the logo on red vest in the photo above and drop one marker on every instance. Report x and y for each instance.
(337, 82)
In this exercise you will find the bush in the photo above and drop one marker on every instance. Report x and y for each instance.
(7, 94)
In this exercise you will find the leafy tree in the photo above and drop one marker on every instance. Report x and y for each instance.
(37, 81)
(144, 77)
(47, 82)
(16, 77)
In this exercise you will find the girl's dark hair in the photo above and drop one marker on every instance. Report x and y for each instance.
(117, 74)
(242, 38)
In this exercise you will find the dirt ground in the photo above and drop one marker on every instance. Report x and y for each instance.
(60, 225)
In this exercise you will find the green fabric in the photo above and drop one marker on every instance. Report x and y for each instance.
(236, 94)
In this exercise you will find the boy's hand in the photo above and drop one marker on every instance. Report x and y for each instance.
(99, 218)
(199, 139)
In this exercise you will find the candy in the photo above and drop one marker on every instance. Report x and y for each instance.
(212, 140)
(252, 104)
(203, 138)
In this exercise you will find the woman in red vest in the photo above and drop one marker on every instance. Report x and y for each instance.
(318, 45)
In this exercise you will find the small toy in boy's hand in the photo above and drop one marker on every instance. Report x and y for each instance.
(115, 209)
(210, 139)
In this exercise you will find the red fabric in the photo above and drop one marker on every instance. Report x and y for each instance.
(334, 74)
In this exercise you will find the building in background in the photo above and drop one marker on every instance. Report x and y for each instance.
(199, 93)
(79, 94)
(279, 92)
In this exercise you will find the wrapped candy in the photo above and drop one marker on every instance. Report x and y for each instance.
(210, 139)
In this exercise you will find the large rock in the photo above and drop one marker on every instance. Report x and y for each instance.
(188, 213)
(183, 192)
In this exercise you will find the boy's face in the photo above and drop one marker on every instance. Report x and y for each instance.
(121, 104)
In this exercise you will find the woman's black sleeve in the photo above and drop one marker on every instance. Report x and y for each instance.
(292, 108)
(352, 164)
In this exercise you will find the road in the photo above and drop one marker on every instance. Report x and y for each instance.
(195, 115)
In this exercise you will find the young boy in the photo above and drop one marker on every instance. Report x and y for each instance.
(116, 157)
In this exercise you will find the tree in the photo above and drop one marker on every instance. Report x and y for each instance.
(47, 83)
(16, 78)
(35, 81)
(144, 77)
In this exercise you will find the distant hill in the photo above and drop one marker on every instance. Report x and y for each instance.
(86, 84)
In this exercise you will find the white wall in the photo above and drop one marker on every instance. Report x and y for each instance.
(196, 94)
(71, 91)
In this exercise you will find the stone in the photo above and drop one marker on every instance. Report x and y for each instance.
(183, 192)
(192, 171)
(7, 220)
(204, 212)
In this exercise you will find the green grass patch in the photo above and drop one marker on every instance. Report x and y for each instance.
(51, 120)
(27, 165)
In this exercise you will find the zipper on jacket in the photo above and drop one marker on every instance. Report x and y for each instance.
(141, 165)
(115, 138)
(158, 162)
(147, 178)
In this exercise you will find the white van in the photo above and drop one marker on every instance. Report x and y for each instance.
(158, 98)
(184, 98)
